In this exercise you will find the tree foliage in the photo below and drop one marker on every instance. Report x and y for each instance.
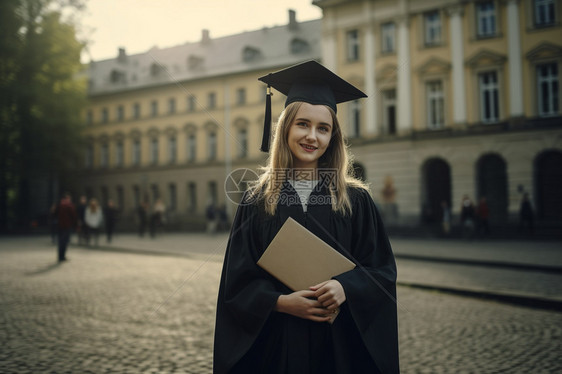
(41, 100)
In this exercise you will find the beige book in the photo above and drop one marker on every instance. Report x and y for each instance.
(300, 259)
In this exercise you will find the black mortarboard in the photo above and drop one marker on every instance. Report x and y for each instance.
(309, 82)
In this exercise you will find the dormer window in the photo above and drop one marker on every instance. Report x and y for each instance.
(194, 62)
(299, 46)
(155, 70)
(117, 76)
(250, 54)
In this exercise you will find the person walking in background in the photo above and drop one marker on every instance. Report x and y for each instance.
(142, 212)
(526, 214)
(211, 215)
(66, 221)
(158, 216)
(483, 213)
(467, 217)
(82, 228)
(110, 218)
(445, 218)
(93, 219)
(222, 218)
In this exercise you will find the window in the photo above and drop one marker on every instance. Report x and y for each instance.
(192, 196)
(191, 102)
(89, 117)
(544, 12)
(172, 196)
(120, 197)
(388, 37)
(104, 115)
(136, 111)
(548, 89)
(241, 96)
(120, 113)
(172, 149)
(352, 38)
(389, 111)
(250, 54)
(432, 25)
(212, 146)
(119, 154)
(485, 19)
(155, 69)
(213, 192)
(104, 196)
(435, 107)
(355, 118)
(299, 46)
(211, 100)
(154, 108)
(171, 106)
(242, 143)
(155, 192)
(191, 147)
(104, 155)
(154, 151)
(89, 156)
(136, 152)
(489, 97)
(136, 196)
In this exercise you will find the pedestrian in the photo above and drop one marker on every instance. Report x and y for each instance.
(222, 218)
(157, 217)
(211, 215)
(445, 218)
(93, 218)
(261, 325)
(82, 227)
(66, 221)
(467, 217)
(110, 218)
(483, 213)
(526, 215)
(142, 213)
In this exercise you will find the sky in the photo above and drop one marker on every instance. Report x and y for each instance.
(138, 25)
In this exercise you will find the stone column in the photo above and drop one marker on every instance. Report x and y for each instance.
(457, 58)
(370, 103)
(329, 45)
(514, 53)
(404, 104)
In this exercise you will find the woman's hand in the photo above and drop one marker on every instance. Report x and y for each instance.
(330, 294)
(302, 304)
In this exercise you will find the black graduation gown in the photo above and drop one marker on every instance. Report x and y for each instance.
(250, 337)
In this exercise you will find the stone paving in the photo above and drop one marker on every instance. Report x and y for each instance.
(112, 312)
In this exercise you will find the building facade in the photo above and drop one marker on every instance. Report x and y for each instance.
(464, 99)
(172, 123)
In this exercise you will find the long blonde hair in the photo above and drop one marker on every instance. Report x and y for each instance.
(280, 161)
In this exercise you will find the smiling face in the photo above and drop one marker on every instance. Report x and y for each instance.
(309, 135)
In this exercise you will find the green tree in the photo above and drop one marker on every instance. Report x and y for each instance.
(41, 103)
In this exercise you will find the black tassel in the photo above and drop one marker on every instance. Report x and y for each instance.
(266, 122)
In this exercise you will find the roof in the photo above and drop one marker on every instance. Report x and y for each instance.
(254, 50)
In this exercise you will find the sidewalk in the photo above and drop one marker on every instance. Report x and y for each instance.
(518, 272)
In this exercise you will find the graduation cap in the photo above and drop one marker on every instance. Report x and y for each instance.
(309, 82)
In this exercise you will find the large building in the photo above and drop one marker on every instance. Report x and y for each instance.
(464, 99)
(172, 123)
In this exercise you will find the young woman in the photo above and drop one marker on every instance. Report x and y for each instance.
(93, 218)
(264, 327)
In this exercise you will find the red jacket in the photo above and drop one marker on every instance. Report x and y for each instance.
(66, 214)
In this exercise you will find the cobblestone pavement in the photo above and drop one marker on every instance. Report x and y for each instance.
(111, 312)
